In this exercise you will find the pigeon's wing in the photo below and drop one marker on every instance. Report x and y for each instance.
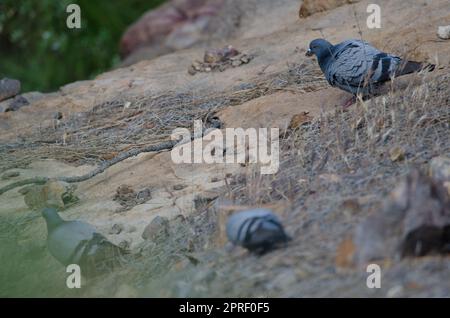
(356, 65)
(239, 223)
(67, 241)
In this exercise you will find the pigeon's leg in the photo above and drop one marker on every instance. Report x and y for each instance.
(349, 102)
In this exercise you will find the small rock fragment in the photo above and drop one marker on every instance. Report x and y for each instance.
(126, 291)
(245, 59)
(116, 229)
(395, 291)
(299, 120)
(309, 7)
(25, 190)
(219, 60)
(191, 70)
(158, 227)
(9, 88)
(444, 32)
(219, 55)
(197, 66)
(10, 175)
(414, 221)
(144, 195)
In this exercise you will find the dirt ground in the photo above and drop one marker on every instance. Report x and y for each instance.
(335, 170)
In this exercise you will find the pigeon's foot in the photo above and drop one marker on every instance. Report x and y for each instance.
(349, 102)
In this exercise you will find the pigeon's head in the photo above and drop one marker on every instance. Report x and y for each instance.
(52, 217)
(319, 48)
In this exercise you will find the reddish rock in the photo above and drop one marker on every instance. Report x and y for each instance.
(176, 24)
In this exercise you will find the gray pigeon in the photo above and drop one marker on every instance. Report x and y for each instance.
(357, 67)
(258, 230)
(76, 242)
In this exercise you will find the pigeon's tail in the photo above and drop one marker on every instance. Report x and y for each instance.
(409, 67)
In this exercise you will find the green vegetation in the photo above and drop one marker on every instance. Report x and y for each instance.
(37, 48)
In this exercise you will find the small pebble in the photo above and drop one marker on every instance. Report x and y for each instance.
(179, 187)
(444, 32)
(144, 195)
(236, 63)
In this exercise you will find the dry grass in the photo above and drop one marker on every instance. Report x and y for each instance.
(129, 122)
(334, 172)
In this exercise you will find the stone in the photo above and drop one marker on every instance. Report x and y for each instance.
(397, 154)
(299, 120)
(16, 103)
(127, 197)
(52, 194)
(177, 24)
(116, 229)
(345, 254)
(158, 227)
(443, 32)
(144, 195)
(10, 174)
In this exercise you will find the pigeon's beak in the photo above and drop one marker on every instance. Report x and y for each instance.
(309, 53)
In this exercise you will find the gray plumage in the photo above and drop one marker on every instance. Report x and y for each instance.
(76, 242)
(258, 230)
(357, 67)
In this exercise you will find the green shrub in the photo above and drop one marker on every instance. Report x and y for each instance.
(37, 48)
